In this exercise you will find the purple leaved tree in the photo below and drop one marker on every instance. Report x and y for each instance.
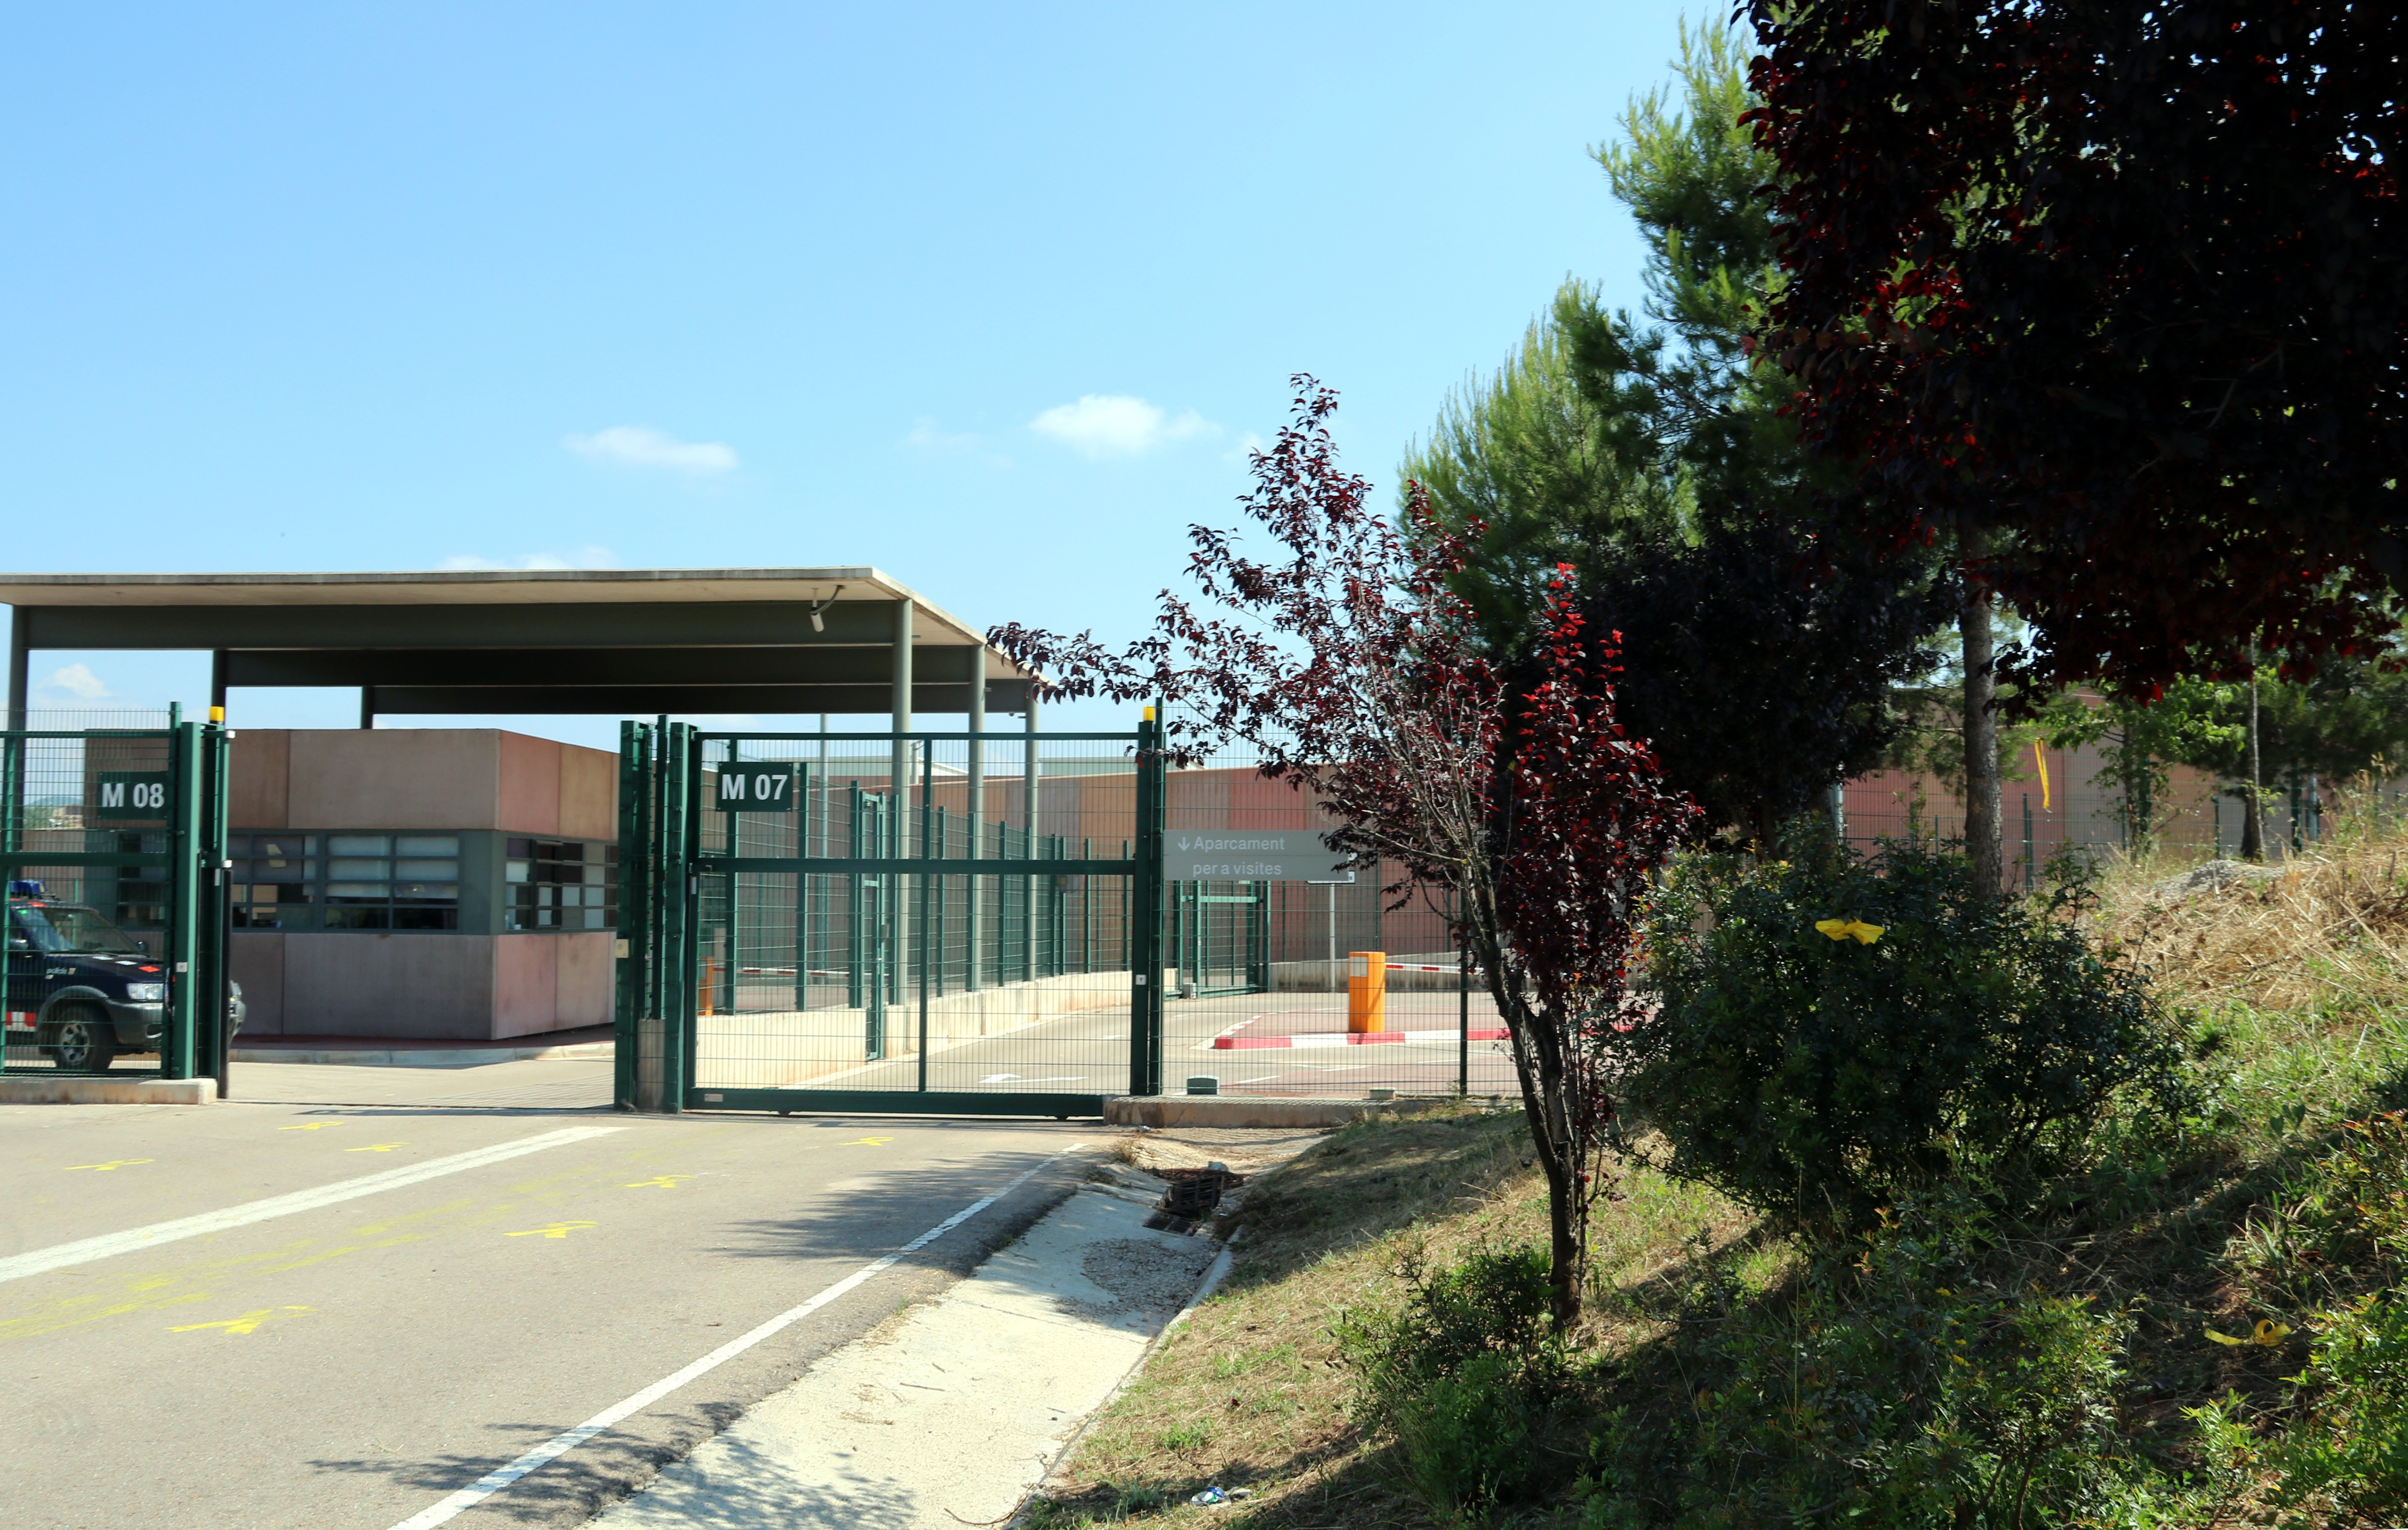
(1345, 661)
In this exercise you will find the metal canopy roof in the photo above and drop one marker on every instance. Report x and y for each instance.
(535, 641)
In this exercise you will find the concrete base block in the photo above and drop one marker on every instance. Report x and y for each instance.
(93, 1089)
(416, 1056)
(1160, 1110)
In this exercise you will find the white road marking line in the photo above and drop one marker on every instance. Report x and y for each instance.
(108, 1245)
(559, 1444)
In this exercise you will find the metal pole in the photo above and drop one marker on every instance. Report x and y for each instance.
(684, 899)
(1033, 803)
(899, 783)
(220, 764)
(927, 788)
(856, 910)
(185, 849)
(367, 706)
(20, 656)
(976, 807)
(630, 944)
(2028, 842)
(1145, 980)
(1462, 1016)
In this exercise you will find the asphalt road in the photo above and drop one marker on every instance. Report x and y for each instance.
(349, 1364)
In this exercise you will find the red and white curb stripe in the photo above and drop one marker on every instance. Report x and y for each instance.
(1351, 1038)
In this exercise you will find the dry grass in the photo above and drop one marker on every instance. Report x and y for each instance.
(2330, 926)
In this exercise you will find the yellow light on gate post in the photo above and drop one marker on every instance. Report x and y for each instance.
(1367, 992)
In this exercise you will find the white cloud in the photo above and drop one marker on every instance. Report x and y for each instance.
(79, 681)
(1117, 425)
(584, 557)
(635, 446)
(929, 442)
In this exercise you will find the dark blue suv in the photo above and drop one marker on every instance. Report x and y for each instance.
(80, 988)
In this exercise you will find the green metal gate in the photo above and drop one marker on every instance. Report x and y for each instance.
(926, 922)
(112, 842)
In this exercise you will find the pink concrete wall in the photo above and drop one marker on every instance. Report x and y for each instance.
(589, 793)
(419, 778)
(395, 983)
(582, 993)
(256, 961)
(528, 801)
(527, 974)
(258, 785)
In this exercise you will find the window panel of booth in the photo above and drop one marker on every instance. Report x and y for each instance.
(273, 880)
(385, 882)
(560, 885)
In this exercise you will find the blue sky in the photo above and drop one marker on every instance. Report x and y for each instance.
(991, 297)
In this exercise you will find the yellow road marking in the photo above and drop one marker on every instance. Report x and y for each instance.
(663, 1182)
(114, 1163)
(310, 1126)
(247, 1323)
(558, 1229)
(868, 1142)
(378, 1146)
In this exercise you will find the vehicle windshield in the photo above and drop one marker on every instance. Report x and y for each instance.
(56, 927)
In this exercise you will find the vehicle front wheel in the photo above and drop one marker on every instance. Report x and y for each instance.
(83, 1041)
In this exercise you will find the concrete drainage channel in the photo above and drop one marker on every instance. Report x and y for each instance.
(1003, 1371)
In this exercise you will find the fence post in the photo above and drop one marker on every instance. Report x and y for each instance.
(2028, 842)
(184, 914)
(681, 955)
(633, 938)
(221, 907)
(1145, 928)
(1462, 1004)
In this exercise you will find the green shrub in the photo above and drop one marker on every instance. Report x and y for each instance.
(1893, 1387)
(2334, 1244)
(1464, 1375)
(1811, 1076)
(2352, 1448)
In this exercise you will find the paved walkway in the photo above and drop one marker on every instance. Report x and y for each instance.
(952, 1413)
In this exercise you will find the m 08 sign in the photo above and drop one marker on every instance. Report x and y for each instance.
(759, 788)
(129, 796)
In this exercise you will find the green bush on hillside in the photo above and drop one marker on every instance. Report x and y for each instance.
(1462, 1374)
(1813, 1072)
(1900, 1384)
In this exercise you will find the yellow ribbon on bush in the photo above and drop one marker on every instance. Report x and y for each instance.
(2267, 1332)
(1843, 929)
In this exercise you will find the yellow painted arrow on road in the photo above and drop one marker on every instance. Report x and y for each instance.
(558, 1229)
(247, 1323)
(114, 1163)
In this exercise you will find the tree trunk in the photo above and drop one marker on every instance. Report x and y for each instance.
(2253, 818)
(1985, 833)
(1545, 1073)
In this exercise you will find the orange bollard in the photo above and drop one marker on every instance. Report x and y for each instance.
(1366, 991)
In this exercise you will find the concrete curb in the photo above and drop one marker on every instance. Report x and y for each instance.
(1162, 1110)
(93, 1089)
(417, 1056)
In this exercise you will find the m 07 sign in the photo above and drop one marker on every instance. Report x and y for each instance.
(129, 796)
(759, 788)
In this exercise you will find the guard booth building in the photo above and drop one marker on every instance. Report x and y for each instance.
(441, 882)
